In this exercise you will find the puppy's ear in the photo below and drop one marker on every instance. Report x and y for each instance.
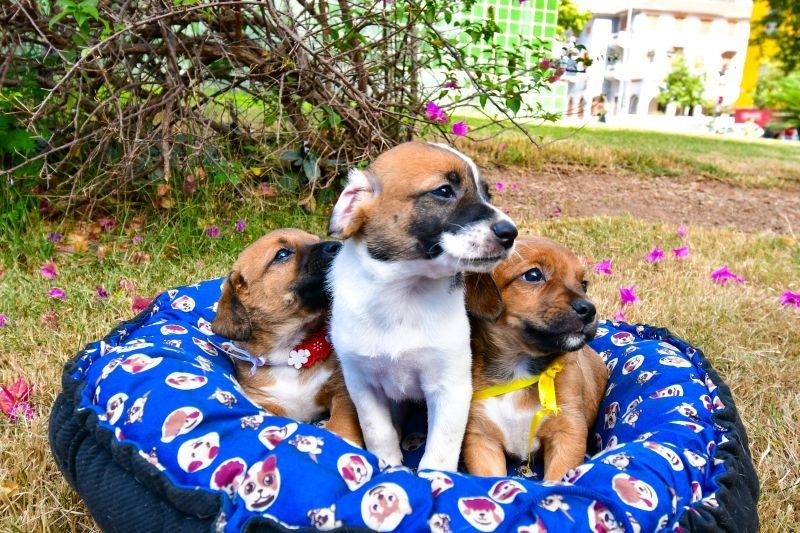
(483, 296)
(232, 320)
(348, 213)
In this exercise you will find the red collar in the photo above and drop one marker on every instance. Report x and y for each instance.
(317, 345)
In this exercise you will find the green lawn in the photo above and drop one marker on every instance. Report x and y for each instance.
(758, 163)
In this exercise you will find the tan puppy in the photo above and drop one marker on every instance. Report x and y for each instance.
(273, 300)
(538, 297)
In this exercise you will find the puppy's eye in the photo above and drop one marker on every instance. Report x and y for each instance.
(445, 191)
(533, 275)
(585, 285)
(282, 255)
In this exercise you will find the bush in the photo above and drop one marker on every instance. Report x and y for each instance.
(169, 96)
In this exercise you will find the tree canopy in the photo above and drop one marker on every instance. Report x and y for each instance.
(681, 86)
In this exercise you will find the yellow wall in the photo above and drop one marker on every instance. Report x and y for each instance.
(756, 55)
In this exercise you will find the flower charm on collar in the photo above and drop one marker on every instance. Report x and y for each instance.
(298, 358)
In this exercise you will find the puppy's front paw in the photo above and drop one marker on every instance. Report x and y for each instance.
(439, 461)
(389, 459)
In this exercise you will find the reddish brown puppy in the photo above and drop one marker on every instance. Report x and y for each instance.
(274, 307)
(528, 318)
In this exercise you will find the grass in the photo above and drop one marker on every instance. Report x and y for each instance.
(752, 340)
(762, 163)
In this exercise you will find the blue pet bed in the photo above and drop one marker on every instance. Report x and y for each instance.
(154, 433)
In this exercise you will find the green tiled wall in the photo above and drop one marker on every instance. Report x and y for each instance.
(532, 18)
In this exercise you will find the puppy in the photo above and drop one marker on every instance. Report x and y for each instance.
(530, 313)
(413, 221)
(273, 300)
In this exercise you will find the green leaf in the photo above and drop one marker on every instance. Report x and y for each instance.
(514, 104)
(483, 99)
(291, 155)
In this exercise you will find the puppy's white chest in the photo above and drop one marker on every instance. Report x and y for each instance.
(514, 422)
(295, 395)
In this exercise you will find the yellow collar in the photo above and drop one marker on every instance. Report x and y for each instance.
(547, 395)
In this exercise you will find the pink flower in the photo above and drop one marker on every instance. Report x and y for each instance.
(128, 286)
(681, 253)
(141, 303)
(48, 269)
(241, 225)
(436, 113)
(100, 293)
(460, 128)
(212, 231)
(4, 320)
(682, 231)
(556, 212)
(54, 237)
(503, 147)
(618, 316)
(14, 400)
(514, 186)
(499, 186)
(628, 295)
(49, 319)
(788, 298)
(450, 84)
(55, 292)
(138, 239)
(544, 64)
(107, 223)
(722, 276)
(603, 267)
(656, 255)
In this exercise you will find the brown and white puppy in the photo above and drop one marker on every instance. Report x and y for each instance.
(413, 220)
(531, 312)
(273, 299)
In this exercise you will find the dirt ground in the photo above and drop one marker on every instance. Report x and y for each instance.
(579, 193)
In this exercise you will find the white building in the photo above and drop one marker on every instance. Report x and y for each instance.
(633, 44)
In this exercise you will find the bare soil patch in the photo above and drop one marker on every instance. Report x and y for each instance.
(578, 192)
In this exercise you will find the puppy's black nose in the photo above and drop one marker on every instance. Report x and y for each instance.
(585, 310)
(331, 248)
(506, 232)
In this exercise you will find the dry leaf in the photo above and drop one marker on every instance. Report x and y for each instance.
(309, 205)
(266, 190)
(140, 257)
(101, 253)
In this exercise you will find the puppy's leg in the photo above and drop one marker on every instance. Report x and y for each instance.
(448, 398)
(375, 417)
(344, 419)
(484, 456)
(564, 442)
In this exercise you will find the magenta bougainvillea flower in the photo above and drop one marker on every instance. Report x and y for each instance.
(241, 225)
(48, 269)
(723, 275)
(556, 212)
(603, 267)
(628, 295)
(138, 239)
(681, 253)
(14, 400)
(4, 320)
(107, 223)
(618, 316)
(460, 128)
(791, 298)
(56, 292)
(450, 84)
(100, 293)
(514, 186)
(54, 237)
(682, 231)
(556, 75)
(499, 186)
(212, 231)
(656, 255)
(544, 64)
(140, 303)
(436, 113)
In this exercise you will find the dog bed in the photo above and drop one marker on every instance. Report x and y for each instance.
(154, 433)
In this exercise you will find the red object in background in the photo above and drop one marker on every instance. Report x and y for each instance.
(759, 116)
